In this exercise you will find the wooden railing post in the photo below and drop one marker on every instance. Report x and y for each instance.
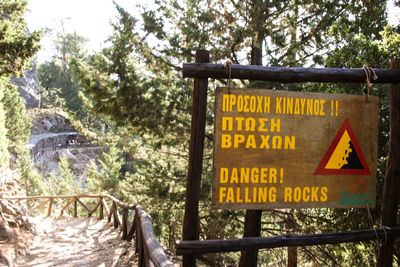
(101, 212)
(139, 244)
(50, 207)
(75, 208)
(125, 224)
(133, 229)
(111, 212)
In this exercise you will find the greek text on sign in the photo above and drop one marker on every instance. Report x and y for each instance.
(282, 149)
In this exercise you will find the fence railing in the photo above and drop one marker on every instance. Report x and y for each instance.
(150, 252)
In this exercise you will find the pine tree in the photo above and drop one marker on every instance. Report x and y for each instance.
(16, 49)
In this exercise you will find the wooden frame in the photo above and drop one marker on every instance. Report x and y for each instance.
(201, 70)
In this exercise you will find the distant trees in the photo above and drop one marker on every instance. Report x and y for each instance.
(59, 88)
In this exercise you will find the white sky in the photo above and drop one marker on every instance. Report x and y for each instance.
(88, 18)
(91, 19)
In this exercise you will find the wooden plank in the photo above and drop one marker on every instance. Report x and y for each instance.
(94, 209)
(287, 75)
(152, 247)
(105, 207)
(65, 207)
(83, 204)
(283, 149)
(199, 105)
(40, 205)
(120, 203)
(390, 197)
(230, 245)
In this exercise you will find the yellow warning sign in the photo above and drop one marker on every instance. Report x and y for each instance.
(281, 149)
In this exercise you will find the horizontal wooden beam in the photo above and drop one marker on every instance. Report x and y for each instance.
(118, 202)
(213, 246)
(287, 75)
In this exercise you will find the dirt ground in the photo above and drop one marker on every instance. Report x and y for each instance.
(69, 241)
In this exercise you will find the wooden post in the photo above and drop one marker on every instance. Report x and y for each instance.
(252, 228)
(292, 251)
(125, 224)
(199, 102)
(116, 219)
(139, 244)
(111, 212)
(50, 206)
(101, 212)
(75, 208)
(390, 196)
(136, 222)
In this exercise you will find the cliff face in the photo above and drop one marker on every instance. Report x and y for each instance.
(29, 87)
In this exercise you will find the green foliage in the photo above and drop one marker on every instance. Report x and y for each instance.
(55, 76)
(30, 180)
(106, 180)
(390, 43)
(63, 181)
(16, 49)
(16, 46)
(4, 142)
(17, 123)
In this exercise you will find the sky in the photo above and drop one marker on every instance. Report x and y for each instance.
(88, 18)
(91, 19)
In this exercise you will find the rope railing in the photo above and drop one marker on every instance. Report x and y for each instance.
(150, 252)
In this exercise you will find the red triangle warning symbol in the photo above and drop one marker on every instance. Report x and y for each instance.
(344, 156)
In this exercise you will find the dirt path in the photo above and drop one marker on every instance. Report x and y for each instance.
(69, 241)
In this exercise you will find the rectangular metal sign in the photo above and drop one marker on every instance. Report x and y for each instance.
(283, 149)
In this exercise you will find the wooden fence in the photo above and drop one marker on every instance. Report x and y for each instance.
(148, 248)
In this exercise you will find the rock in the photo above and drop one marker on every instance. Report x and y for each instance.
(29, 87)
(51, 166)
(66, 153)
(47, 124)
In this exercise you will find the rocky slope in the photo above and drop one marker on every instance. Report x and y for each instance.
(28, 87)
(53, 137)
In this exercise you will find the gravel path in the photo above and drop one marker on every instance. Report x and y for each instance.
(69, 241)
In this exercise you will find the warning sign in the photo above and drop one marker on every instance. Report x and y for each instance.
(344, 156)
(281, 149)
